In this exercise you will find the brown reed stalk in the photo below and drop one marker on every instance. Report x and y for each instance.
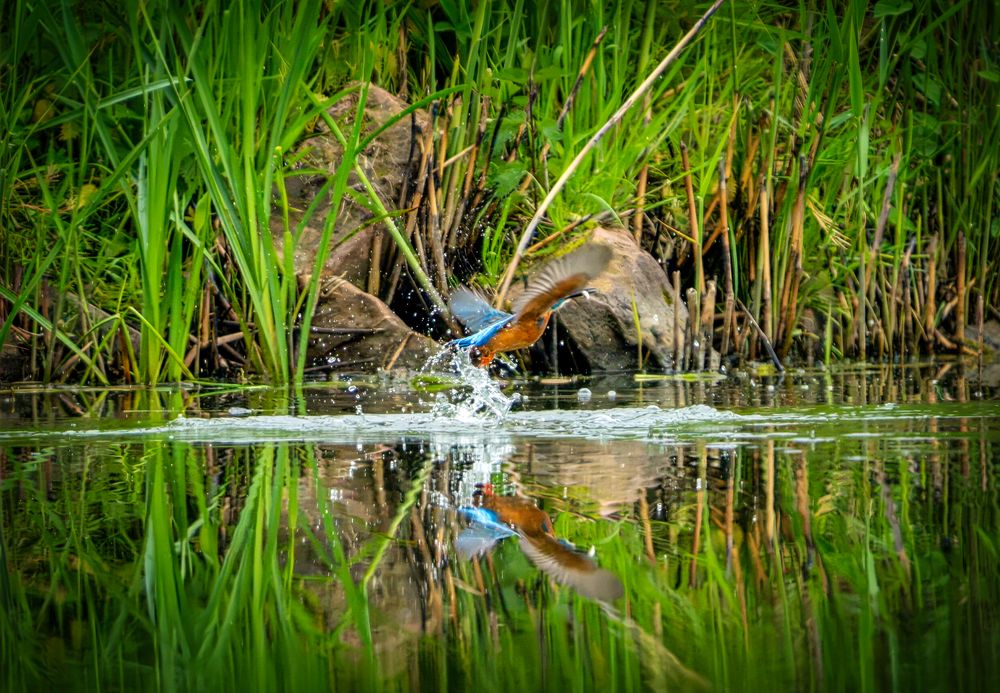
(456, 220)
(696, 239)
(522, 129)
(632, 99)
(905, 324)
(763, 337)
(930, 303)
(640, 194)
(677, 321)
(961, 291)
(433, 230)
(560, 233)
(727, 264)
(694, 329)
(764, 260)
(584, 69)
(790, 293)
(706, 324)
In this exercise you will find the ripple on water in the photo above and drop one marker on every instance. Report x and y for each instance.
(467, 426)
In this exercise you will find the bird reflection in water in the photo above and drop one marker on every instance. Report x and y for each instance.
(494, 518)
(496, 331)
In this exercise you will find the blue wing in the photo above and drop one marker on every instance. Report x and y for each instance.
(482, 535)
(482, 337)
(474, 311)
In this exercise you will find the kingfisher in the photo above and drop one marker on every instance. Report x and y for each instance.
(495, 331)
(498, 517)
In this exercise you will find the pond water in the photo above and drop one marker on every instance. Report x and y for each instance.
(819, 530)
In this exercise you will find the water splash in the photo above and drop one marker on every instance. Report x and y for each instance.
(477, 398)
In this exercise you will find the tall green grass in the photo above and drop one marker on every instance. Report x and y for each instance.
(145, 151)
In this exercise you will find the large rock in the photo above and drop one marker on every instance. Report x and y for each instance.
(391, 159)
(353, 330)
(603, 328)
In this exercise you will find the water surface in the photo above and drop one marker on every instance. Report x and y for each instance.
(821, 530)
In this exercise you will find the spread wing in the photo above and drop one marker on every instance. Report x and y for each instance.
(559, 279)
(570, 567)
(473, 310)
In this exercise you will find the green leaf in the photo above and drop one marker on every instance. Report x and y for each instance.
(891, 8)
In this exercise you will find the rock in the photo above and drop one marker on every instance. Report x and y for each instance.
(379, 338)
(390, 160)
(14, 363)
(354, 330)
(603, 326)
(991, 336)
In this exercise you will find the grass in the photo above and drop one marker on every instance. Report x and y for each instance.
(838, 183)
(863, 561)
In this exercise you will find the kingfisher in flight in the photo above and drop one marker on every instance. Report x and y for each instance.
(495, 331)
(494, 518)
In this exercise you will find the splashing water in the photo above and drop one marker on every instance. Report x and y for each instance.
(477, 398)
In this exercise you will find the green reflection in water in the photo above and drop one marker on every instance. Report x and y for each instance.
(858, 552)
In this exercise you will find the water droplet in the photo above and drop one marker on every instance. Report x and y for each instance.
(352, 389)
(612, 395)
(583, 394)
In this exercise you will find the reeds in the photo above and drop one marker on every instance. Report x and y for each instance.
(828, 190)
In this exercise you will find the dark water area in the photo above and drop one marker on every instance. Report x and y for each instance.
(817, 530)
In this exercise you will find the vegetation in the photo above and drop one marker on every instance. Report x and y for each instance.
(830, 166)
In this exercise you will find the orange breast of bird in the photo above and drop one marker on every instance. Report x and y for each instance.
(520, 513)
(517, 334)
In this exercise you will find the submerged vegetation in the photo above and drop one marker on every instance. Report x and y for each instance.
(829, 169)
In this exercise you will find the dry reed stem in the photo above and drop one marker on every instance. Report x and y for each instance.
(693, 345)
(961, 290)
(433, 230)
(696, 240)
(764, 248)
(469, 175)
(930, 304)
(592, 142)
(767, 343)
(584, 69)
(706, 325)
(727, 263)
(905, 325)
(677, 321)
